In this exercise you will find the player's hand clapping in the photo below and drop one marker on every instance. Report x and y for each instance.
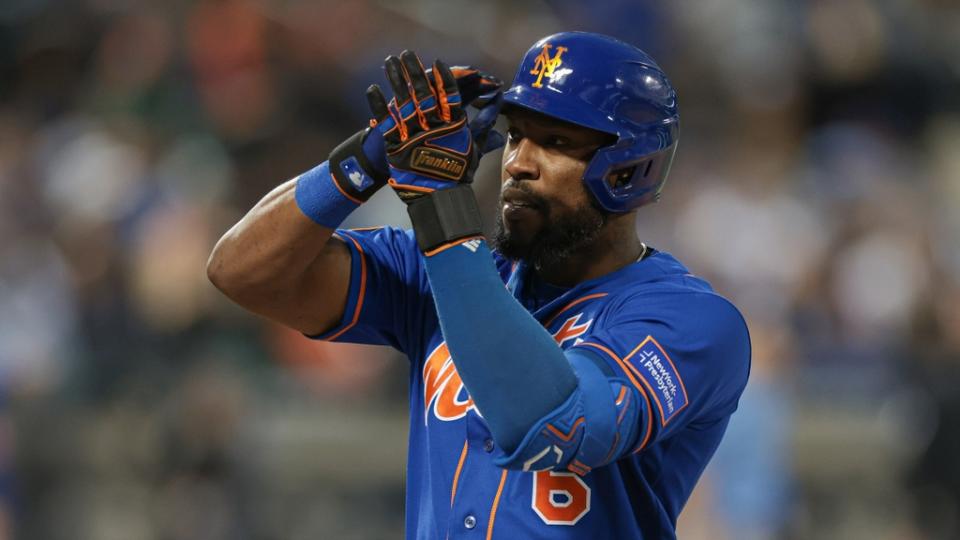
(428, 141)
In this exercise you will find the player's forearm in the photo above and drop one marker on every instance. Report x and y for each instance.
(511, 366)
(281, 264)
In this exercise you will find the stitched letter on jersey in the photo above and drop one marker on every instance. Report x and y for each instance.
(443, 390)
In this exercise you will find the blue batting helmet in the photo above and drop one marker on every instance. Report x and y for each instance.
(604, 84)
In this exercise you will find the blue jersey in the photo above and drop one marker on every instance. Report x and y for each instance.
(678, 352)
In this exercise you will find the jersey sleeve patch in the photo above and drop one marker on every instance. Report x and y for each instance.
(654, 365)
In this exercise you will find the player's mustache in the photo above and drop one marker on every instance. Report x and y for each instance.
(531, 197)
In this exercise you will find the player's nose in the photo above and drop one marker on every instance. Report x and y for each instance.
(520, 161)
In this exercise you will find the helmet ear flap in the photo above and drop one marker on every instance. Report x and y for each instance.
(627, 176)
(621, 178)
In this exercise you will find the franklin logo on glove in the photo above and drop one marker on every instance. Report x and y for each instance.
(438, 163)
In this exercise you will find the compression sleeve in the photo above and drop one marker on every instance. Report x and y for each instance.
(595, 426)
(513, 369)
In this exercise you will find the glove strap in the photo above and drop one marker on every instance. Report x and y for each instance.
(444, 216)
(352, 171)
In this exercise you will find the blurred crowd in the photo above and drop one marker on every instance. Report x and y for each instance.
(816, 185)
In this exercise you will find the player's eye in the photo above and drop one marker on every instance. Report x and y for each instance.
(556, 141)
(513, 135)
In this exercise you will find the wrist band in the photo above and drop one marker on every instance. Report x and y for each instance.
(330, 191)
(320, 198)
(445, 215)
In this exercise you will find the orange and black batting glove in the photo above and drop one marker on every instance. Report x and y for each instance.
(359, 164)
(424, 127)
(476, 87)
(430, 150)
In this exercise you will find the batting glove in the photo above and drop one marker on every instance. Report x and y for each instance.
(429, 144)
(483, 92)
(359, 164)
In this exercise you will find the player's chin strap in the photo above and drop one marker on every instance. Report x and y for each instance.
(445, 217)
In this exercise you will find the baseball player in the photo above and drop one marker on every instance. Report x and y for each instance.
(567, 381)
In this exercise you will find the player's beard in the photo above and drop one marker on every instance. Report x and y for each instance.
(561, 236)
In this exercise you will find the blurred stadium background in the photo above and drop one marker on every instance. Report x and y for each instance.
(817, 184)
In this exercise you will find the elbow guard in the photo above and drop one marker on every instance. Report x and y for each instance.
(593, 427)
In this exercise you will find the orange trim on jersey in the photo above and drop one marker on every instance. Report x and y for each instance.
(449, 245)
(624, 410)
(646, 436)
(576, 470)
(456, 475)
(627, 369)
(616, 439)
(566, 436)
(586, 468)
(496, 502)
(686, 398)
(571, 304)
(342, 192)
(363, 290)
(625, 399)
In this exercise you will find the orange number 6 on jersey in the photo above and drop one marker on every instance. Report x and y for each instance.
(560, 498)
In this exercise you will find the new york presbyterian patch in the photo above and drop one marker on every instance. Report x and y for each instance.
(655, 367)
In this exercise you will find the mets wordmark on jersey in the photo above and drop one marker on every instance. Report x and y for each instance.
(676, 356)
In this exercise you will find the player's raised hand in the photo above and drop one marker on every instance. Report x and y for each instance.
(429, 144)
(483, 92)
(473, 83)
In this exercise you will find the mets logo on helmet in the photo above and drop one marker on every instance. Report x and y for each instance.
(545, 65)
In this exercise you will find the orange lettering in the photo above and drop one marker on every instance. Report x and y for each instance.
(571, 330)
(560, 498)
(442, 386)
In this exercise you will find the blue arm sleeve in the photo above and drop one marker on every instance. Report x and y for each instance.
(513, 369)
(595, 426)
